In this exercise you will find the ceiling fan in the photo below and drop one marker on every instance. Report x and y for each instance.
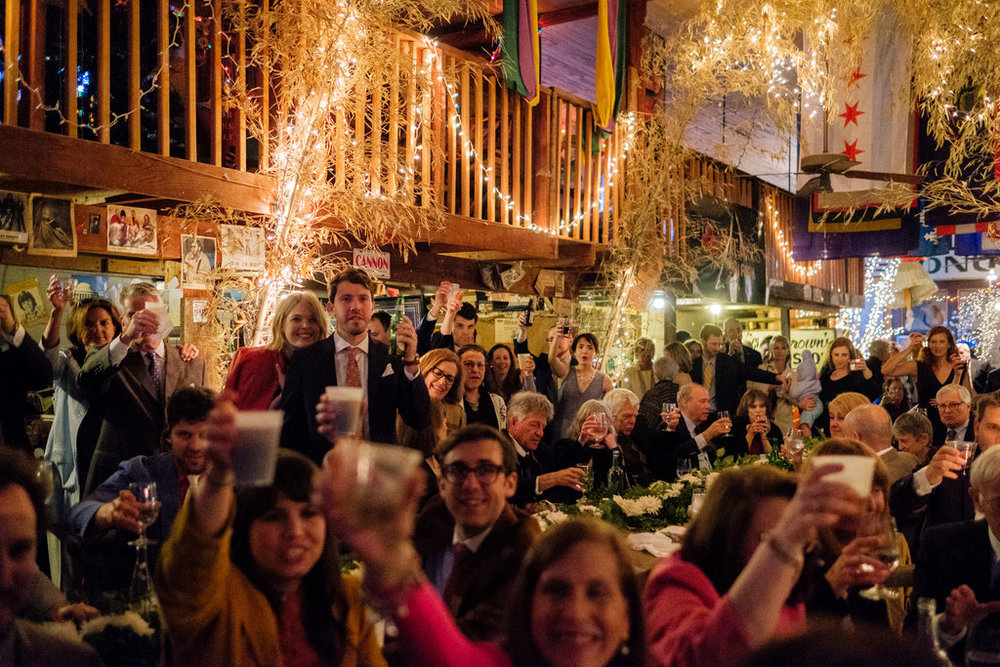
(825, 164)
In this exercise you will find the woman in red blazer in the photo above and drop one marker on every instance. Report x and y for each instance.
(257, 374)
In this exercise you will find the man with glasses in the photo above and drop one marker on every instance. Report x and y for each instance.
(939, 492)
(954, 404)
(470, 539)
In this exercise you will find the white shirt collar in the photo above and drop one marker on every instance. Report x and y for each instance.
(960, 429)
(521, 451)
(340, 344)
(473, 543)
(160, 351)
(691, 426)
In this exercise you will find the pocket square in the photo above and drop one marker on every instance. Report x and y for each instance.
(388, 370)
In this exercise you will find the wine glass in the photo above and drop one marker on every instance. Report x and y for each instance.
(794, 439)
(149, 508)
(684, 466)
(601, 427)
(887, 552)
(724, 414)
(668, 408)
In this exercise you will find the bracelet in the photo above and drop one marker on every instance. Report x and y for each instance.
(783, 555)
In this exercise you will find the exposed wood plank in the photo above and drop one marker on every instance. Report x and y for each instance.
(104, 70)
(411, 118)
(504, 153)
(55, 158)
(189, 93)
(529, 170)
(392, 170)
(11, 53)
(464, 164)
(566, 165)
(376, 158)
(491, 148)
(453, 125)
(518, 155)
(217, 74)
(340, 137)
(134, 75)
(72, 49)
(580, 159)
(437, 112)
(265, 108)
(35, 70)
(241, 68)
(590, 212)
(541, 132)
(477, 142)
(360, 110)
(601, 190)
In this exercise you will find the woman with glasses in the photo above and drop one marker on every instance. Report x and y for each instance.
(442, 373)
(934, 362)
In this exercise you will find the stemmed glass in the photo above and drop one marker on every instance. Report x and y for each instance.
(668, 408)
(601, 427)
(141, 590)
(887, 552)
(684, 466)
(794, 440)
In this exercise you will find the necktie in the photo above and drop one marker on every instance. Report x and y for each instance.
(706, 376)
(353, 370)
(154, 373)
(459, 554)
(951, 435)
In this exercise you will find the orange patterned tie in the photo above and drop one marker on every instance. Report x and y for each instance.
(353, 371)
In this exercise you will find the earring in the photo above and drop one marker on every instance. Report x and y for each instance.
(624, 649)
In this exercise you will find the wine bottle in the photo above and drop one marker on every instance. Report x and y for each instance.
(617, 479)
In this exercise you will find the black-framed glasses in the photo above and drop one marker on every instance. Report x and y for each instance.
(441, 375)
(949, 406)
(485, 472)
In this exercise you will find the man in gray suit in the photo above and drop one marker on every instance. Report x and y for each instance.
(129, 382)
(872, 425)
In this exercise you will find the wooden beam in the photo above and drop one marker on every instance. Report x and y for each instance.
(72, 45)
(104, 71)
(11, 52)
(57, 159)
(467, 38)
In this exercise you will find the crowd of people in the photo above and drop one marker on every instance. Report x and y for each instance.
(458, 567)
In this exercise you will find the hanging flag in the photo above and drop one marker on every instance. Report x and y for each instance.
(520, 55)
(612, 54)
(873, 122)
(982, 243)
(888, 234)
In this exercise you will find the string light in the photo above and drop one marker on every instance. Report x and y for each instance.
(807, 269)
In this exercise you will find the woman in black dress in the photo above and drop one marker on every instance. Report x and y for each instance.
(845, 370)
(934, 363)
(753, 431)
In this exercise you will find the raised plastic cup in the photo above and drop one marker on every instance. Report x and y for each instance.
(381, 474)
(347, 402)
(256, 449)
(857, 471)
(159, 309)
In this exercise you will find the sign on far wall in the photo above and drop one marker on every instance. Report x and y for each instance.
(374, 262)
(15, 210)
(815, 340)
(959, 267)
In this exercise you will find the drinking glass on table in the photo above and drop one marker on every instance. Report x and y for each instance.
(684, 466)
(794, 440)
(888, 552)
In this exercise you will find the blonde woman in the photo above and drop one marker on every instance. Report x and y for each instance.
(257, 374)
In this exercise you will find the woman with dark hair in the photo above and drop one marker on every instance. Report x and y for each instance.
(91, 323)
(257, 374)
(734, 584)
(933, 364)
(258, 583)
(579, 381)
(845, 564)
(575, 601)
(502, 374)
(753, 430)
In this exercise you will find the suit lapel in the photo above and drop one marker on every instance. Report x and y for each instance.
(378, 355)
(171, 370)
(135, 366)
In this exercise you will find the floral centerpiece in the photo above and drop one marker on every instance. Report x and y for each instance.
(661, 504)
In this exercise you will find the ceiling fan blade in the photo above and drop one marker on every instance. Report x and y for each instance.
(810, 187)
(915, 179)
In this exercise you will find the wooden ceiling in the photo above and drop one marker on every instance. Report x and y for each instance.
(568, 45)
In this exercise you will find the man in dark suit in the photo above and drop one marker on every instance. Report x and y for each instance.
(872, 425)
(350, 358)
(527, 416)
(130, 381)
(470, 540)
(23, 367)
(461, 317)
(690, 436)
(723, 376)
(954, 404)
(735, 348)
(939, 492)
(958, 564)
(106, 520)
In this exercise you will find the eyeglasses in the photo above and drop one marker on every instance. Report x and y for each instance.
(486, 472)
(949, 406)
(441, 375)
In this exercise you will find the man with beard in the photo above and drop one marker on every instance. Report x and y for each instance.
(107, 519)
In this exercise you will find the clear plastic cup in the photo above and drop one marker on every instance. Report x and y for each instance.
(255, 452)
(857, 471)
(159, 309)
(380, 475)
(347, 402)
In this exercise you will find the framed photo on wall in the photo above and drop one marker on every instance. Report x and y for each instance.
(15, 210)
(131, 230)
(52, 230)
